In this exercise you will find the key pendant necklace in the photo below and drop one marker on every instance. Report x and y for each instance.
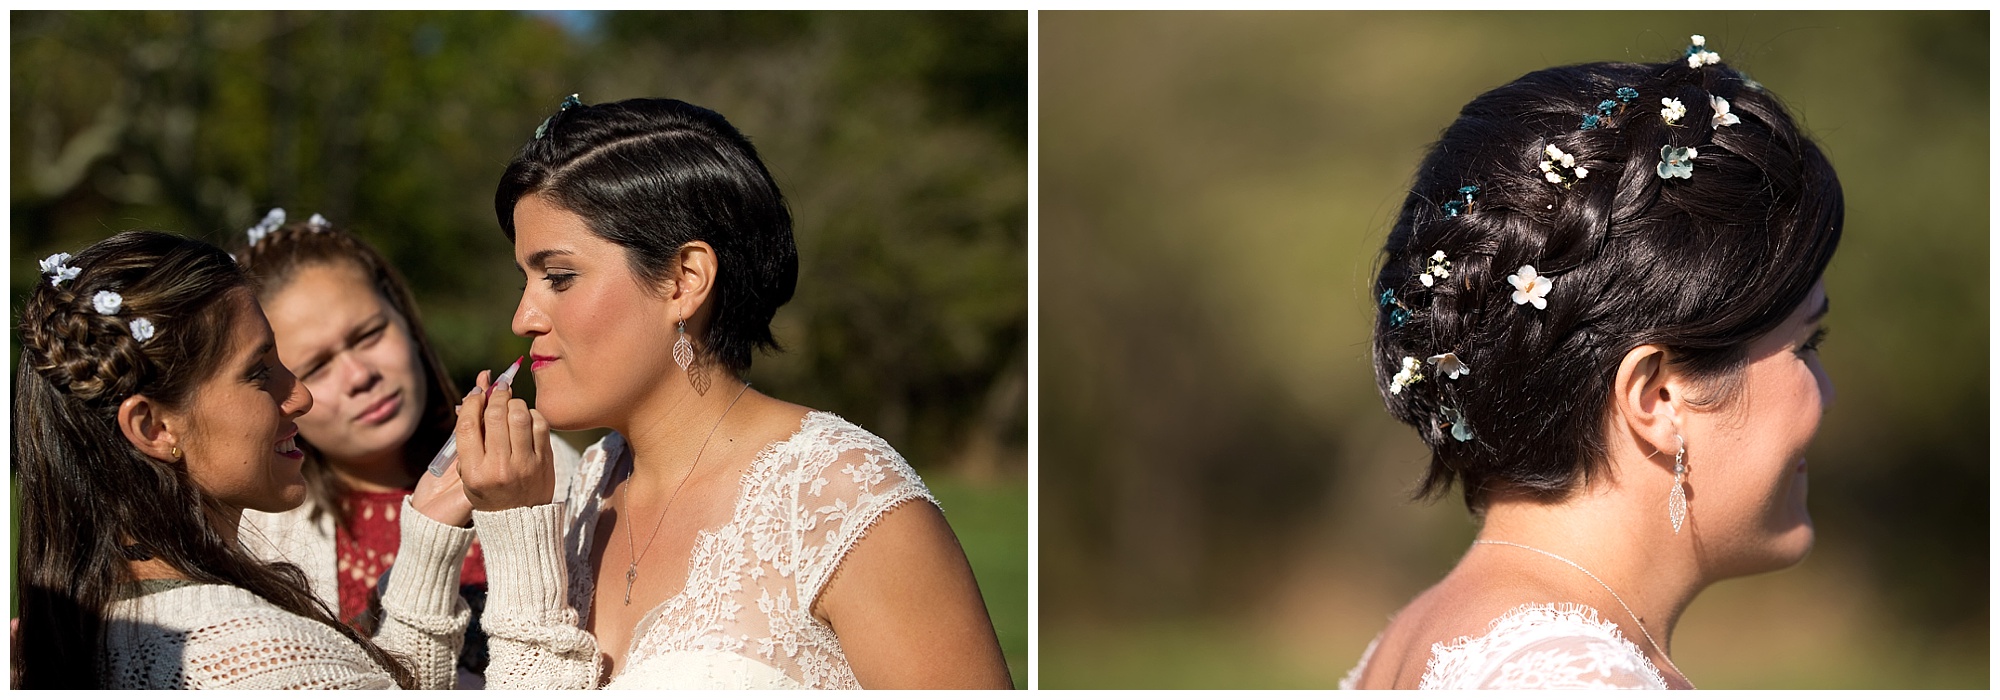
(632, 570)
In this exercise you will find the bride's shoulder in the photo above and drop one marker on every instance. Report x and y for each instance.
(1541, 645)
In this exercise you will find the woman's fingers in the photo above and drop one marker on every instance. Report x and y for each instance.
(471, 436)
(521, 437)
(541, 430)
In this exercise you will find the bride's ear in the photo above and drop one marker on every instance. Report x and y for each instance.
(144, 423)
(693, 279)
(1647, 395)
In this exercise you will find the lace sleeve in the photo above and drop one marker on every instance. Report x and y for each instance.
(1538, 646)
(858, 478)
(1581, 661)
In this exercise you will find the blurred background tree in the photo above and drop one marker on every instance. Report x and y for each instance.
(900, 140)
(1223, 500)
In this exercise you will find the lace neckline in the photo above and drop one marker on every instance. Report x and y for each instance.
(764, 461)
(1526, 616)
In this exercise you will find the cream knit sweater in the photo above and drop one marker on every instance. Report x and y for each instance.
(211, 636)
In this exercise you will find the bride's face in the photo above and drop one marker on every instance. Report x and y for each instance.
(1746, 459)
(601, 336)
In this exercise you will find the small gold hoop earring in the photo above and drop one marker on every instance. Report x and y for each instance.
(177, 453)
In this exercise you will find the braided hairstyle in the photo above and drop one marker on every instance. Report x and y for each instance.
(1701, 265)
(652, 175)
(274, 259)
(86, 491)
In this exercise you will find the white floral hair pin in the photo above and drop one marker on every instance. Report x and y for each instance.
(1438, 268)
(272, 220)
(107, 302)
(319, 223)
(1530, 287)
(1561, 168)
(1698, 54)
(1722, 116)
(1672, 111)
(142, 330)
(1449, 365)
(1412, 372)
(58, 269)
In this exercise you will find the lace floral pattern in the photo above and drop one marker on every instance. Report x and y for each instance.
(803, 504)
(1535, 647)
(1542, 646)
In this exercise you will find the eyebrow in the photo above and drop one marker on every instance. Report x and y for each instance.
(1825, 305)
(257, 358)
(542, 256)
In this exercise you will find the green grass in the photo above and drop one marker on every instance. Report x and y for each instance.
(991, 521)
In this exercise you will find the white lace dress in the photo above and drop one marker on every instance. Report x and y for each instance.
(1535, 647)
(744, 618)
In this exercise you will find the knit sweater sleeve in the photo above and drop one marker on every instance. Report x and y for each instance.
(423, 618)
(210, 636)
(533, 635)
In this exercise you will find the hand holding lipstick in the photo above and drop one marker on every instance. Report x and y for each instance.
(504, 457)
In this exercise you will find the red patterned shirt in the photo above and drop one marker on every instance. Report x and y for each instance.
(366, 547)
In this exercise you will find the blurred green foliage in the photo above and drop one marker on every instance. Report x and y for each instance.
(1223, 501)
(899, 139)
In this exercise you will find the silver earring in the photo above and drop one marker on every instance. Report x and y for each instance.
(684, 356)
(1677, 502)
(683, 350)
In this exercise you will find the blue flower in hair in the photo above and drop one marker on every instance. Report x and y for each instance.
(1627, 95)
(567, 103)
(1388, 297)
(1589, 122)
(1676, 162)
(1460, 429)
(1398, 316)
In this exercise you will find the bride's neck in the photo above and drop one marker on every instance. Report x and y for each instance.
(666, 435)
(1618, 535)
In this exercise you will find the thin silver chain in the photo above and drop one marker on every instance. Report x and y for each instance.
(1607, 589)
(632, 569)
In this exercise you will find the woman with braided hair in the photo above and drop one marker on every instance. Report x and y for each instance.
(1600, 308)
(151, 411)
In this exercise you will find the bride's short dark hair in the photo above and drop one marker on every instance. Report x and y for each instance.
(1702, 265)
(652, 175)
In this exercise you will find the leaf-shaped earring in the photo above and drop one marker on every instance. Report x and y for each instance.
(1677, 502)
(683, 350)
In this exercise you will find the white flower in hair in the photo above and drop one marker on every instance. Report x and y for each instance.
(272, 220)
(1411, 374)
(1530, 288)
(58, 269)
(1449, 365)
(142, 330)
(1698, 53)
(1673, 111)
(1722, 116)
(318, 222)
(106, 302)
(1556, 158)
(1439, 268)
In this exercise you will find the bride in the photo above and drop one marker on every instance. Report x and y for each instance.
(1601, 310)
(719, 538)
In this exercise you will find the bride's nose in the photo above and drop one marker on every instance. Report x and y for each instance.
(529, 321)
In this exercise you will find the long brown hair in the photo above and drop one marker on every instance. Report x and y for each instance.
(274, 259)
(85, 490)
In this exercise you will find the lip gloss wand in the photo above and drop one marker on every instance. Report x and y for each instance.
(450, 452)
